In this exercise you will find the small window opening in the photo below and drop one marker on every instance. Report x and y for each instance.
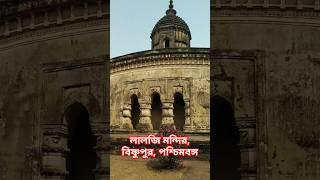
(166, 43)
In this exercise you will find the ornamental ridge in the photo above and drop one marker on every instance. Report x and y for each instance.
(298, 5)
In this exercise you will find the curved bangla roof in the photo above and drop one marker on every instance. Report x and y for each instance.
(171, 20)
(182, 51)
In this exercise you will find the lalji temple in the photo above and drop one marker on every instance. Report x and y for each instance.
(61, 95)
(169, 84)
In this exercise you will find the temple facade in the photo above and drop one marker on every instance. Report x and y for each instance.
(266, 66)
(168, 84)
(51, 89)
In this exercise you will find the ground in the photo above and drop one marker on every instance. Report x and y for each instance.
(124, 168)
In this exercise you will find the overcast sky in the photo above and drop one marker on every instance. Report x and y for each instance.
(133, 20)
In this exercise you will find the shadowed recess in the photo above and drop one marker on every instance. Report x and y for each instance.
(81, 160)
(135, 110)
(156, 110)
(226, 137)
(179, 111)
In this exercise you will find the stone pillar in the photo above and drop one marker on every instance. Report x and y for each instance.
(19, 25)
(218, 4)
(59, 16)
(126, 117)
(187, 125)
(86, 10)
(299, 4)
(102, 148)
(6, 28)
(46, 19)
(32, 23)
(145, 117)
(54, 150)
(167, 112)
(317, 5)
(72, 13)
(265, 3)
(99, 8)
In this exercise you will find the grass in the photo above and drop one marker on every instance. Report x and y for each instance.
(124, 168)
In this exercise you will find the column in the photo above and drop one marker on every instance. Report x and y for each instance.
(234, 3)
(188, 125)
(6, 28)
(167, 112)
(145, 117)
(126, 117)
(59, 16)
(317, 5)
(218, 4)
(19, 25)
(72, 13)
(99, 7)
(103, 152)
(46, 19)
(86, 10)
(32, 23)
(54, 151)
(299, 4)
(249, 3)
(283, 4)
(265, 3)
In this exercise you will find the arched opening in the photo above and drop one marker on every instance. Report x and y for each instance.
(135, 110)
(179, 111)
(81, 159)
(226, 137)
(156, 110)
(166, 43)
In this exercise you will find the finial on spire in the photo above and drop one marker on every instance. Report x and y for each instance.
(171, 4)
(171, 11)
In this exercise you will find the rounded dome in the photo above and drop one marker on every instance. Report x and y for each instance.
(171, 31)
(171, 20)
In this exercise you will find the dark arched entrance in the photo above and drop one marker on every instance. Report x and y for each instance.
(226, 153)
(166, 43)
(156, 110)
(81, 159)
(135, 110)
(179, 111)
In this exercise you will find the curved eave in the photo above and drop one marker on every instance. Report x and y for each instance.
(162, 57)
(169, 27)
(161, 24)
(170, 51)
(24, 7)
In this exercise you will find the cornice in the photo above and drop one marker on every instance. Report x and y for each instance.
(162, 51)
(75, 64)
(60, 130)
(52, 16)
(228, 53)
(185, 56)
(267, 8)
(11, 7)
(280, 4)
(41, 34)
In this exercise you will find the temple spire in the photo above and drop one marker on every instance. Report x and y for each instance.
(171, 4)
(171, 11)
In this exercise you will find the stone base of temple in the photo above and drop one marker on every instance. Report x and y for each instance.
(143, 127)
